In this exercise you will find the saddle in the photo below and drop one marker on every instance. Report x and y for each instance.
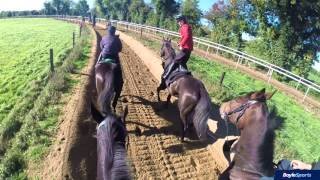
(175, 74)
(102, 60)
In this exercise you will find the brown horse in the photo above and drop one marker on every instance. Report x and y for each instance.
(194, 102)
(111, 152)
(254, 149)
(109, 84)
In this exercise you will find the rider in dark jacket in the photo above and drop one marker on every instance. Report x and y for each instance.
(111, 45)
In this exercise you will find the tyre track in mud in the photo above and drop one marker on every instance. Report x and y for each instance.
(154, 151)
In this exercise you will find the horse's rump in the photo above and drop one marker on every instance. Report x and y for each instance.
(105, 85)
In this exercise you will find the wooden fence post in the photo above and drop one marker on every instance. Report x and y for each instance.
(73, 39)
(222, 78)
(51, 60)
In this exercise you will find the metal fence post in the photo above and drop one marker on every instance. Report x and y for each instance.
(207, 51)
(270, 75)
(305, 95)
(140, 32)
(298, 83)
(51, 60)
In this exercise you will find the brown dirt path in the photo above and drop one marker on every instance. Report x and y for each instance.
(154, 151)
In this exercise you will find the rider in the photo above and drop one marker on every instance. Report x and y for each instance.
(186, 42)
(94, 20)
(111, 46)
(185, 45)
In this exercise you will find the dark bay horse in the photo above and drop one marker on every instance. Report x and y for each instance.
(111, 135)
(193, 99)
(254, 149)
(107, 85)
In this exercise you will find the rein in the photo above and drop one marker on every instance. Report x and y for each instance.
(241, 110)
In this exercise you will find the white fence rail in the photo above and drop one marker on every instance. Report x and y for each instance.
(240, 56)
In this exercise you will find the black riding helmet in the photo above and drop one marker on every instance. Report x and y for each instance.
(181, 18)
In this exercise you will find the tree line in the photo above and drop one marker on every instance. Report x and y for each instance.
(285, 32)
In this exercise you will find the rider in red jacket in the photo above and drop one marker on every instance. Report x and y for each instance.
(185, 45)
(186, 42)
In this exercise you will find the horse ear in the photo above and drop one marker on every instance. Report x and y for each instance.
(97, 116)
(124, 114)
(163, 39)
(169, 40)
(269, 95)
(262, 90)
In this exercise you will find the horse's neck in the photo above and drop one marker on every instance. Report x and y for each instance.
(120, 168)
(249, 146)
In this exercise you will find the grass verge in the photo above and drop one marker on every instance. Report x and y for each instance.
(27, 139)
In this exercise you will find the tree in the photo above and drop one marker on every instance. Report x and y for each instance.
(66, 7)
(228, 22)
(101, 9)
(82, 8)
(292, 29)
(58, 5)
(139, 11)
(165, 9)
(191, 10)
(49, 9)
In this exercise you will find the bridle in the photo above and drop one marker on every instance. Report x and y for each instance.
(241, 110)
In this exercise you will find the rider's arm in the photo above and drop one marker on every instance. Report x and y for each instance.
(316, 166)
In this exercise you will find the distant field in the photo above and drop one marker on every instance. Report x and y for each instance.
(298, 137)
(24, 55)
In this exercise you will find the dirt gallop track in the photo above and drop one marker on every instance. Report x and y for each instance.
(154, 150)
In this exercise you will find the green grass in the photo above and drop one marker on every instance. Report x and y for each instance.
(27, 130)
(24, 57)
(298, 137)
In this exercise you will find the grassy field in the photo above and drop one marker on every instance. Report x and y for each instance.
(24, 56)
(30, 94)
(298, 136)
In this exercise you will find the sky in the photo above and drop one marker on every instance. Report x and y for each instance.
(20, 5)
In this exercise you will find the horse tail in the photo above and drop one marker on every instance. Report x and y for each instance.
(105, 97)
(105, 147)
(201, 113)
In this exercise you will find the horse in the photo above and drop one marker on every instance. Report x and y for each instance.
(108, 86)
(254, 149)
(111, 135)
(193, 99)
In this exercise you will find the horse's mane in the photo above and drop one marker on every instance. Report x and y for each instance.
(114, 153)
(170, 49)
(266, 149)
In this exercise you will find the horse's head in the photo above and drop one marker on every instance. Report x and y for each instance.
(252, 105)
(167, 53)
(118, 127)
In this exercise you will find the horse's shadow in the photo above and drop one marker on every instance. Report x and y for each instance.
(171, 114)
